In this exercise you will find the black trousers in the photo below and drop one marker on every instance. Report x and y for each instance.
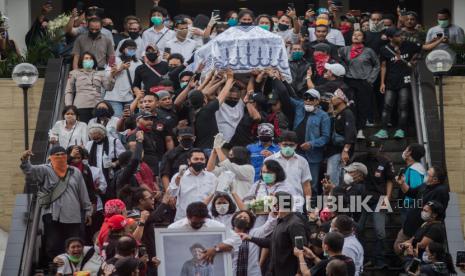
(401, 98)
(56, 233)
(85, 114)
(363, 97)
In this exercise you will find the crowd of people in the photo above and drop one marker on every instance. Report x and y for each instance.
(147, 140)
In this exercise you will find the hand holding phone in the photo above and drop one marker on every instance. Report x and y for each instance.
(299, 242)
(460, 258)
(414, 265)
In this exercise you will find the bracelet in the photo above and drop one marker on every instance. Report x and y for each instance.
(303, 263)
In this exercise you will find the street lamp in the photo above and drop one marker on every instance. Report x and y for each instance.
(25, 75)
(439, 62)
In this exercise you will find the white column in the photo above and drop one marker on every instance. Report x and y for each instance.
(458, 7)
(19, 15)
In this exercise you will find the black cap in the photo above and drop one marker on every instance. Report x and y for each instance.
(272, 98)
(144, 114)
(56, 150)
(392, 32)
(185, 131)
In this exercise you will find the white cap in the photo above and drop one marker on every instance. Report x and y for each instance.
(314, 93)
(336, 68)
(357, 166)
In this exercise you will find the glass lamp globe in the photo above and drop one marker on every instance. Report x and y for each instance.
(439, 61)
(25, 74)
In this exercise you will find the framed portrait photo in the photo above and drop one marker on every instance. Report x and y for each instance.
(180, 251)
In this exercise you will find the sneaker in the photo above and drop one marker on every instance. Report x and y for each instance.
(382, 134)
(400, 134)
(360, 135)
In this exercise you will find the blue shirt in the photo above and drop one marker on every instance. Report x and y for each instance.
(414, 176)
(257, 158)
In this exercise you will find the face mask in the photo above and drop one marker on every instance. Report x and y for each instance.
(331, 229)
(157, 20)
(309, 108)
(246, 24)
(102, 112)
(324, 106)
(348, 179)
(325, 253)
(425, 179)
(75, 259)
(241, 224)
(109, 27)
(59, 164)
(222, 209)
(288, 151)
(183, 84)
(425, 216)
(94, 35)
(152, 57)
(404, 155)
(231, 103)
(133, 35)
(376, 27)
(187, 143)
(425, 258)
(85, 162)
(232, 22)
(181, 34)
(88, 64)
(268, 178)
(443, 23)
(283, 27)
(130, 53)
(70, 118)
(197, 225)
(265, 27)
(265, 139)
(297, 55)
(198, 167)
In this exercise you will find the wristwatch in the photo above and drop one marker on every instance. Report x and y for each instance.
(140, 223)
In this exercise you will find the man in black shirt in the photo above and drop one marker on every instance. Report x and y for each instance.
(397, 60)
(332, 245)
(151, 72)
(126, 247)
(165, 109)
(321, 31)
(378, 186)
(374, 37)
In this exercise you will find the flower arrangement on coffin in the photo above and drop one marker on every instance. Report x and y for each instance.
(261, 206)
(56, 27)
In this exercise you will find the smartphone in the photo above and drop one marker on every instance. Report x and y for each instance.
(291, 5)
(414, 265)
(168, 50)
(460, 259)
(357, 26)
(215, 13)
(299, 242)
(310, 7)
(111, 61)
(127, 107)
(439, 35)
(401, 172)
(142, 251)
(197, 76)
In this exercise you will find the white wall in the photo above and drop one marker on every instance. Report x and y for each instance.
(19, 14)
(458, 7)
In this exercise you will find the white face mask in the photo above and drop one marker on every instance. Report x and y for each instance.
(348, 179)
(425, 216)
(309, 108)
(222, 209)
(426, 258)
(404, 155)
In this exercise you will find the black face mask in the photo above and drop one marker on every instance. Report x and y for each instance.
(102, 112)
(247, 24)
(283, 27)
(241, 224)
(265, 139)
(152, 57)
(109, 27)
(235, 160)
(94, 35)
(187, 143)
(197, 225)
(231, 103)
(198, 167)
(324, 106)
(133, 35)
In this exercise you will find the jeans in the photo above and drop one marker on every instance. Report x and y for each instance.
(56, 233)
(363, 95)
(315, 172)
(401, 98)
(379, 221)
(333, 168)
(118, 107)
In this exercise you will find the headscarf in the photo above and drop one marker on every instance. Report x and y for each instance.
(112, 207)
(356, 50)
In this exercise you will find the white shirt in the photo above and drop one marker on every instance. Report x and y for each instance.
(140, 47)
(157, 37)
(224, 219)
(288, 35)
(92, 265)
(186, 48)
(191, 188)
(69, 137)
(334, 36)
(111, 126)
(228, 117)
(234, 177)
(353, 249)
(100, 182)
(184, 224)
(122, 90)
(455, 35)
(104, 159)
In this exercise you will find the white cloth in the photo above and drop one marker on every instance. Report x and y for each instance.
(228, 117)
(140, 47)
(102, 159)
(186, 48)
(253, 265)
(111, 126)
(224, 219)
(122, 90)
(100, 182)
(354, 249)
(157, 37)
(191, 188)
(334, 36)
(238, 178)
(69, 137)
(184, 224)
(289, 35)
(93, 265)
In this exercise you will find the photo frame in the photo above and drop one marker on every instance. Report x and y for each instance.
(179, 249)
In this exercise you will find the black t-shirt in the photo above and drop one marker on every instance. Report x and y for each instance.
(397, 71)
(169, 116)
(380, 170)
(434, 231)
(144, 75)
(343, 124)
(172, 160)
(244, 135)
(300, 129)
(374, 41)
(331, 86)
(320, 268)
(205, 125)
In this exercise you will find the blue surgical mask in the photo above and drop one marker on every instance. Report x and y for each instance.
(268, 178)
(130, 53)
(232, 22)
(443, 23)
(88, 64)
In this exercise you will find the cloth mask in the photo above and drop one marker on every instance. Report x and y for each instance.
(283, 27)
(246, 24)
(102, 112)
(265, 139)
(198, 167)
(297, 55)
(94, 35)
(187, 143)
(376, 27)
(59, 164)
(222, 209)
(133, 35)
(268, 178)
(152, 57)
(88, 64)
(348, 179)
(241, 224)
(232, 22)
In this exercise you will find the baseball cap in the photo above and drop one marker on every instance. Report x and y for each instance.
(57, 149)
(185, 131)
(313, 92)
(272, 98)
(117, 222)
(162, 94)
(336, 68)
(357, 166)
(340, 94)
(320, 22)
(144, 114)
(392, 32)
(265, 129)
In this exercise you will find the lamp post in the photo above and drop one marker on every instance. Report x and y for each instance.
(25, 75)
(439, 62)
